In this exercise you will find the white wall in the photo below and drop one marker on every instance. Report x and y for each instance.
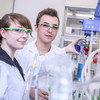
(6, 6)
(30, 8)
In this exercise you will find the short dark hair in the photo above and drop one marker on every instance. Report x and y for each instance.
(48, 11)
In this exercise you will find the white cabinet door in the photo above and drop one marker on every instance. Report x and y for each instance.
(82, 3)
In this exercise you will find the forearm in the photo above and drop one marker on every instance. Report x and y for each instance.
(43, 95)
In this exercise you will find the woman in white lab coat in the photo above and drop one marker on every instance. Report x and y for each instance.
(14, 31)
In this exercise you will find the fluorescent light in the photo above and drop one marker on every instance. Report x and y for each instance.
(69, 14)
(84, 15)
(80, 15)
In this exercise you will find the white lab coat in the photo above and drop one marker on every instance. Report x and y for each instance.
(11, 82)
(55, 62)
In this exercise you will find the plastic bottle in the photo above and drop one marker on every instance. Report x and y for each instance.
(81, 62)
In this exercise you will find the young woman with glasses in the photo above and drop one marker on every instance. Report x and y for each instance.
(14, 31)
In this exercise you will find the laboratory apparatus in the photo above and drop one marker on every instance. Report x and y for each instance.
(29, 80)
(81, 58)
(90, 77)
(57, 79)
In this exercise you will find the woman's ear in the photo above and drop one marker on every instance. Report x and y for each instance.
(35, 27)
(3, 32)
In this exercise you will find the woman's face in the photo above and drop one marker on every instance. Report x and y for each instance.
(14, 38)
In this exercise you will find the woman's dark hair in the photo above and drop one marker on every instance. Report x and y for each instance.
(21, 19)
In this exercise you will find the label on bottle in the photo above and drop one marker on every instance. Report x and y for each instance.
(80, 67)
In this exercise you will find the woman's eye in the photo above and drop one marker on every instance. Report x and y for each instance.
(18, 30)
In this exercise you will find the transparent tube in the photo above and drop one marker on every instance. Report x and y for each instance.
(91, 42)
(30, 76)
(86, 75)
(36, 87)
(98, 43)
(93, 92)
(27, 86)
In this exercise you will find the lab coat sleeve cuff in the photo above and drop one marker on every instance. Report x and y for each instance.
(63, 52)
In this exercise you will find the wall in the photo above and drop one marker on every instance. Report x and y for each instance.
(6, 6)
(30, 8)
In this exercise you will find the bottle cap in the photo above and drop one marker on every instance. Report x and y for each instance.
(77, 47)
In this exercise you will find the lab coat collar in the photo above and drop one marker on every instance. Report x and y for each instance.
(34, 49)
(6, 58)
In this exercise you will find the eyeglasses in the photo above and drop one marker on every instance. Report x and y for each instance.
(48, 26)
(21, 31)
